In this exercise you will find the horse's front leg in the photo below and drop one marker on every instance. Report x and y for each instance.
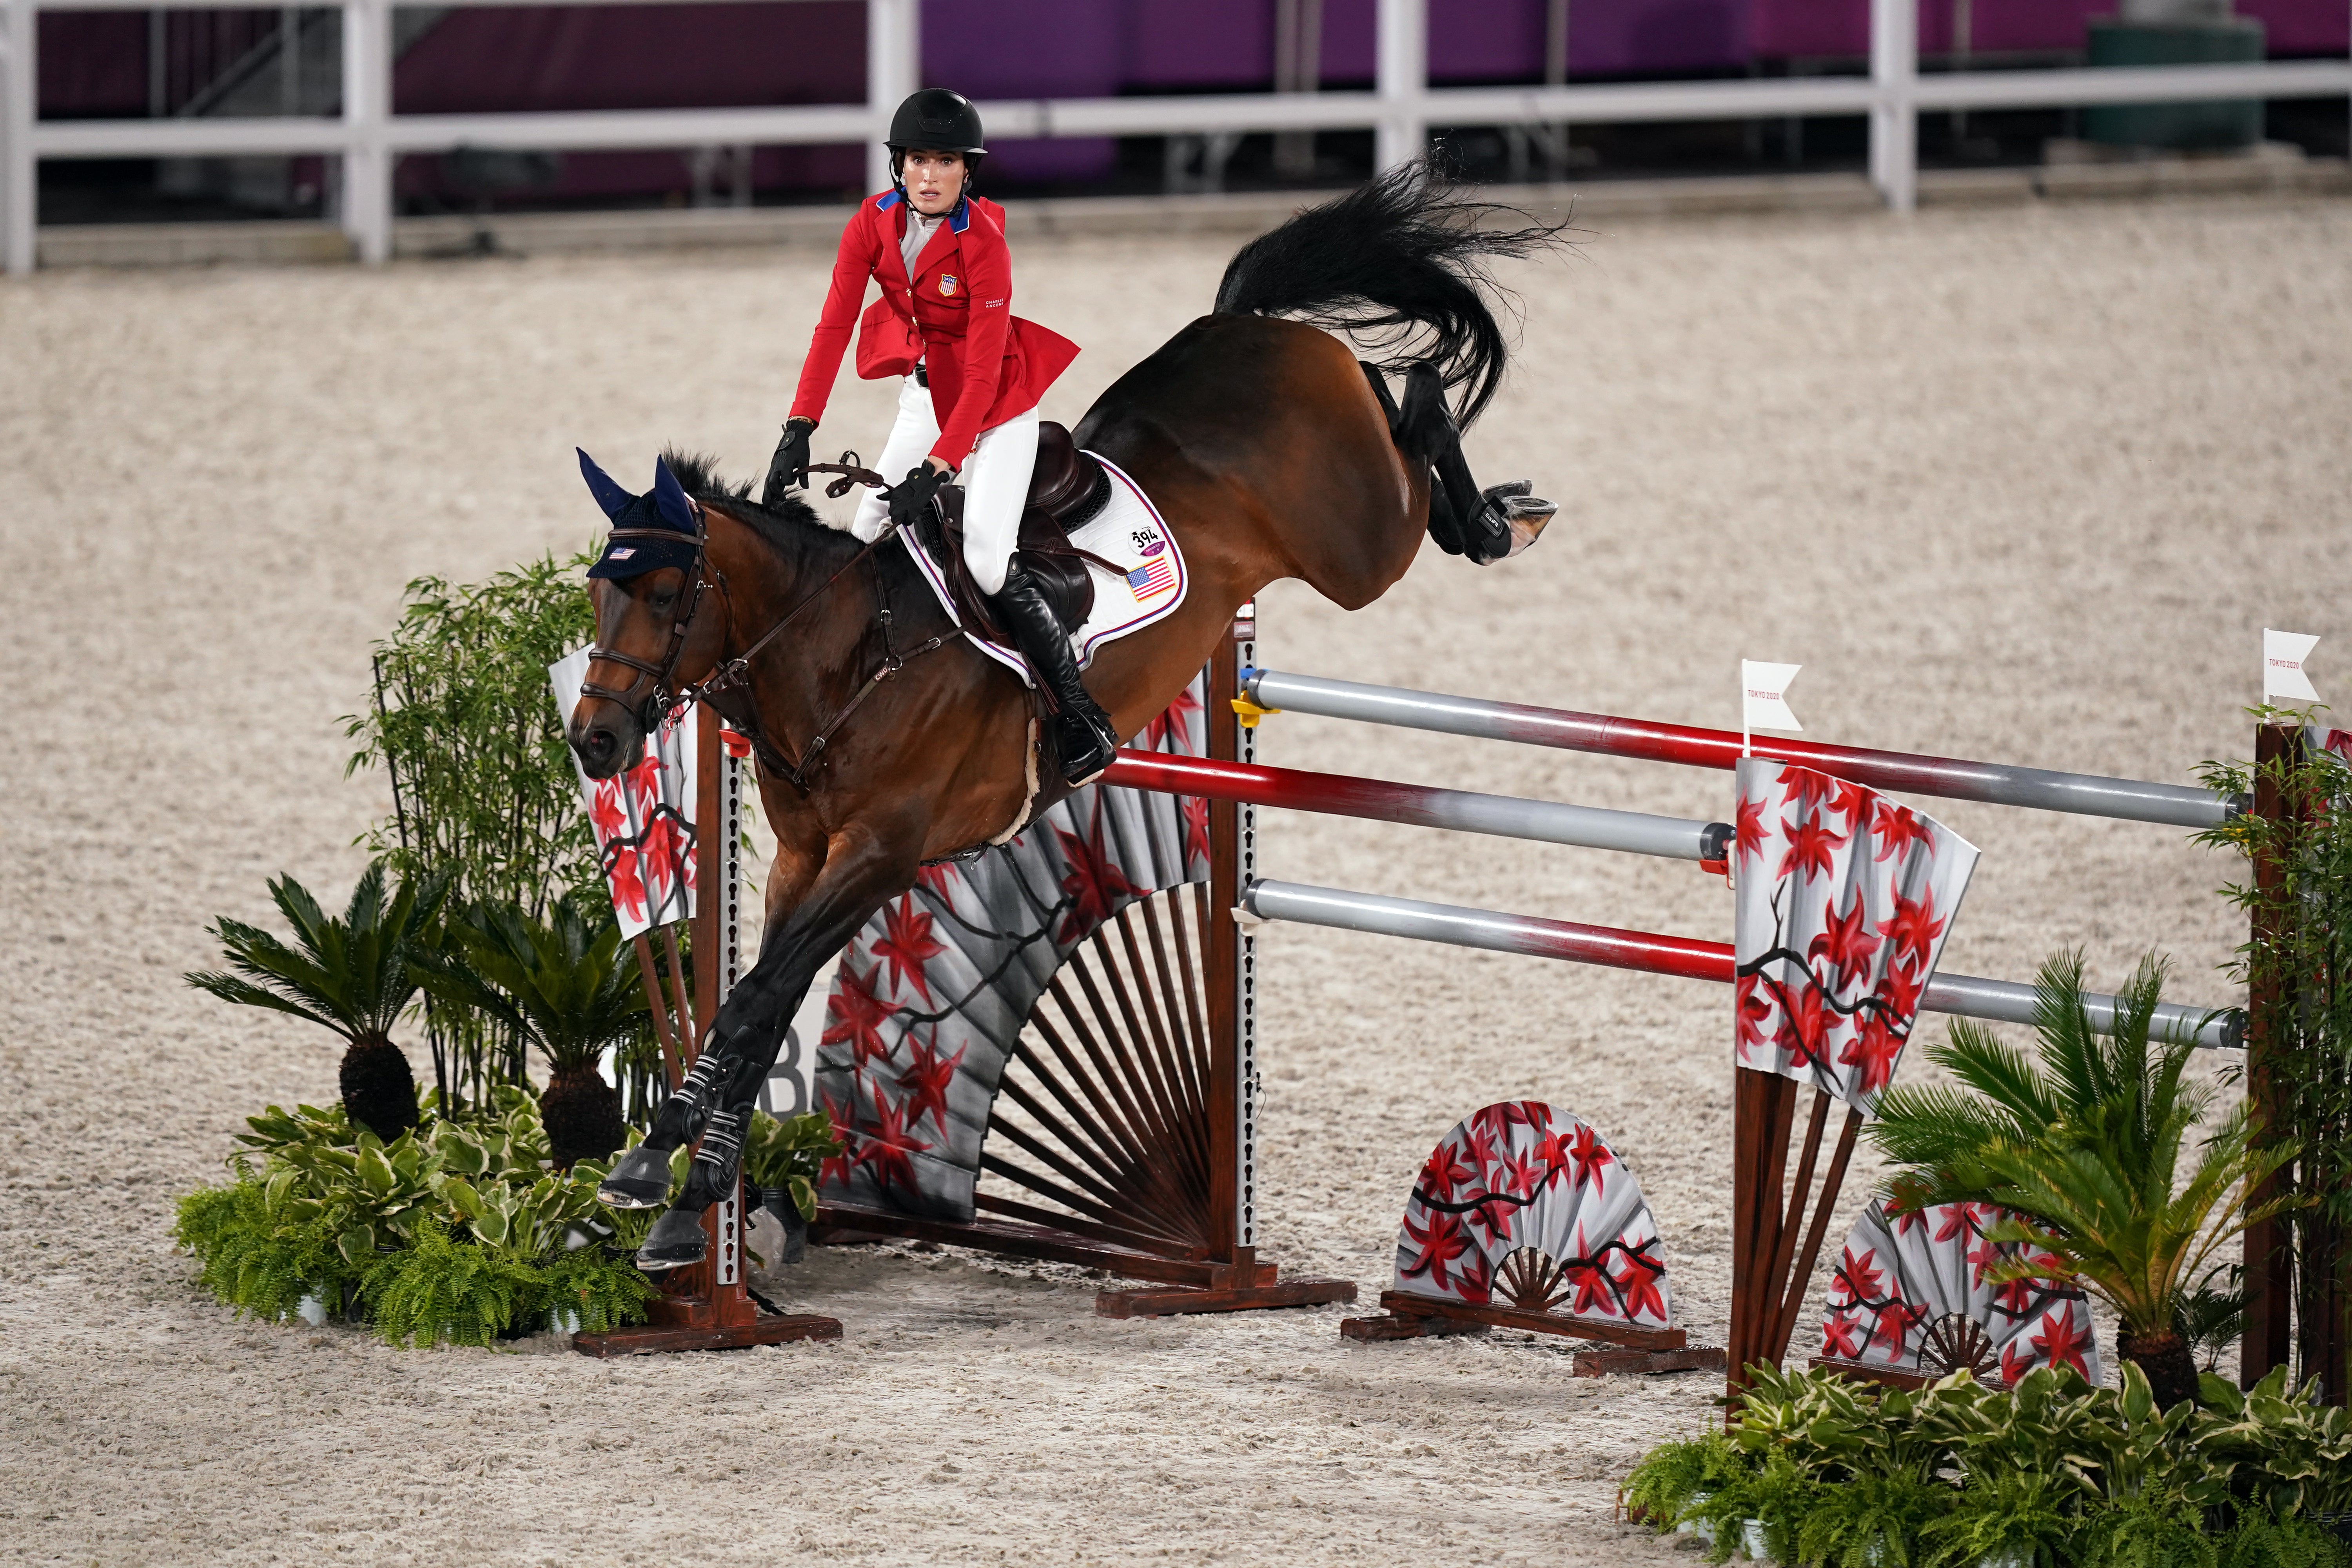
(861, 868)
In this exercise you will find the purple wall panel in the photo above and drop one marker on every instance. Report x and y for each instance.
(1030, 48)
(651, 56)
(93, 64)
(1786, 27)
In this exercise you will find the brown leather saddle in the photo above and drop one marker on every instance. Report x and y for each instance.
(1066, 490)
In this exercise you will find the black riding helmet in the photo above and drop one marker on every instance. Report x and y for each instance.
(936, 121)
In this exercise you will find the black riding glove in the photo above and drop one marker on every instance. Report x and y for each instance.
(910, 498)
(789, 467)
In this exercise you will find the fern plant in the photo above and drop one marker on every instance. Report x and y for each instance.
(2085, 1147)
(356, 975)
(442, 1291)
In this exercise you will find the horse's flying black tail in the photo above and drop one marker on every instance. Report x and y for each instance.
(1401, 261)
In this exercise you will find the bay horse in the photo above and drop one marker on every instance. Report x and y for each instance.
(1269, 450)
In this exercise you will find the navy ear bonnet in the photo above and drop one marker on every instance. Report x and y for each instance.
(662, 511)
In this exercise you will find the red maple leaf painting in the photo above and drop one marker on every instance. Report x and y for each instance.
(2060, 1342)
(1092, 883)
(854, 1014)
(924, 1082)
(1837, 1337)
(1875, 1048)
(667, 854)
(1896, 830)
(940, 876)
(2013, 1365)
(628, 888)
(2013, 1297)
(1900, 991)
(1804, 788)
(1638, 1286)
(1893, 1325)
(907, 945)
(1747, 828)
(1913, 927)
(1443, 1176)
(1811, 848)
(834, 1170)
(1435, 1247)
(1955, 1220)
(1846, 940)
(1860, 1276)
(1848, 801)
(1804, 1030)
(1171, 724)
(1755, 1006)
(1195, 810)
(1590, 1279)
(606, 811)
(886, 1147)
(1590, 1155)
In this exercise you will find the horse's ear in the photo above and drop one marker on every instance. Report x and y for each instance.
(669, 496)
(610, 495)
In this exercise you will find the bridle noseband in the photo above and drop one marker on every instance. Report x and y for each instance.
(727, 687)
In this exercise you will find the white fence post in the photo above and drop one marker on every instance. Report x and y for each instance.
(893, 66)
(367, 101)
(1402, 67)
(1895, 119)
(19, 169)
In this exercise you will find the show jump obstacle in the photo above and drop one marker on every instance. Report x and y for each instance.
(1049, 1051)
(1776, 1245)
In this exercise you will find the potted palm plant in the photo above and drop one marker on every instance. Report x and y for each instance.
(356, 975)
(569, 987)
(2085, 1147)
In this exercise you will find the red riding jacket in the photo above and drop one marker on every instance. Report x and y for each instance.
(985, 365)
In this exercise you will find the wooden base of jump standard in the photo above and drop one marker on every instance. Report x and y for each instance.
(1413, 1317)
(1864, 1372)
(1184, 1284)
(653, 1339)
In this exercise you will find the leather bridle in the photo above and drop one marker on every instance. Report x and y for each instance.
(727, 687)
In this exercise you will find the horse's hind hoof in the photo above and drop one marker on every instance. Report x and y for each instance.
(640, 1180)
(1521, 514)
(675, 1241)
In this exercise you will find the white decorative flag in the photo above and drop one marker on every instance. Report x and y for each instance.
(2282, 671)
(1844, 900)
(643, 818)
(1763, 698)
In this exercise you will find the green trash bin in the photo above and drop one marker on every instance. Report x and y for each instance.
(2211, 126)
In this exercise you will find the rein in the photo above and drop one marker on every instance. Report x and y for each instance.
(727, 687)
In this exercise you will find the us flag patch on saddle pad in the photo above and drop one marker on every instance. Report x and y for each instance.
(1154, 578)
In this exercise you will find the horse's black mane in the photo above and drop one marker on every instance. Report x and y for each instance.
(789, 528)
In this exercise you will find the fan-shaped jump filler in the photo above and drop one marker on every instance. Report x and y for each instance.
(1525, 1218)
(1910, 1301)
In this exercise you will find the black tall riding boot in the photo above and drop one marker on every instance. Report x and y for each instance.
(1082, 731)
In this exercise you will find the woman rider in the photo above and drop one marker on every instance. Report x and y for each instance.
(971, 375)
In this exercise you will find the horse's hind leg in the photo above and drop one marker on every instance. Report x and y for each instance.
(1424, 432)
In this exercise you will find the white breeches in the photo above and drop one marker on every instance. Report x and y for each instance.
(995, 480)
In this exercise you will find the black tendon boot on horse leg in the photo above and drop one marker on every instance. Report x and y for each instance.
(1084, 737)
(1485, 526)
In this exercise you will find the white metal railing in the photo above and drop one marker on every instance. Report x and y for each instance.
(367, 137)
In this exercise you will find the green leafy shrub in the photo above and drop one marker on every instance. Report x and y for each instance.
(2052, 1473)
(787, 1153)
(458, 1235)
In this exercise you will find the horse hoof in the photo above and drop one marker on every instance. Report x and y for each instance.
(1522, 514)
(675, 1241)
(641, 1181)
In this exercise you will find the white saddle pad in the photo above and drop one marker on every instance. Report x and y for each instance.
(1150, 583)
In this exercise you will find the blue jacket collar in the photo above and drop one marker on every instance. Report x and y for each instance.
(959, 220)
